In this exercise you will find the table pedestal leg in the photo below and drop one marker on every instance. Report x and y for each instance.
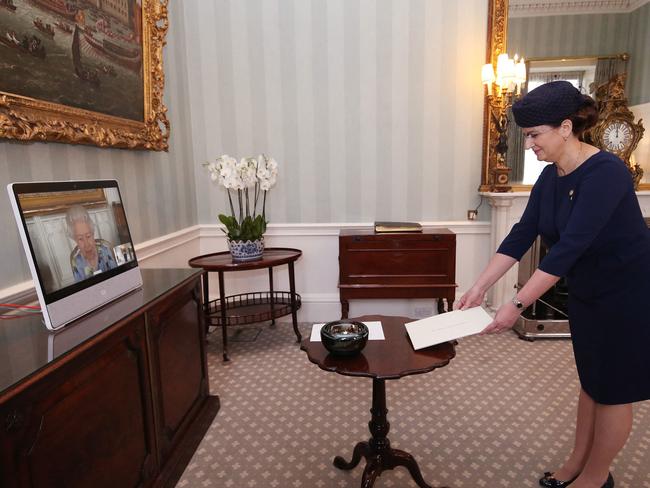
(345, 308)
(450, 303)
(377, 451)
(224, 320)
(294, 309)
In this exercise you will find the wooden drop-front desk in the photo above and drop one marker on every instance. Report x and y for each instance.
(116, 399)
(397, 265)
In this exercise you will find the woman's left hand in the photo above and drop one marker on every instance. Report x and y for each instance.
(505, 319)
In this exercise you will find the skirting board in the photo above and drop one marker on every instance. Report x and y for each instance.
(316, 270)
(323, 308)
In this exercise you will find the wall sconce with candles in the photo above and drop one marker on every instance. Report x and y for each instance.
(503, 88)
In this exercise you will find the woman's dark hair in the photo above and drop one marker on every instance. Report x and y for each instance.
(584, 118)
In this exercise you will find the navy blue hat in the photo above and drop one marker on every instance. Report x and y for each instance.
(549, 103)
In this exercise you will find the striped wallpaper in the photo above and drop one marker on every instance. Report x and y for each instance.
(373, 108)
(589, 35)
(157, 188)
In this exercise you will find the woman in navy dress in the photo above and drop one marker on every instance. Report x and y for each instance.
(584, 207)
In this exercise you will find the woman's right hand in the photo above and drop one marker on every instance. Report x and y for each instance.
(472, 298)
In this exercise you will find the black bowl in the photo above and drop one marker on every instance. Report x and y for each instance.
(344, 337)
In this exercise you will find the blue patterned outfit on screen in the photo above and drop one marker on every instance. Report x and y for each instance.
(81, 269)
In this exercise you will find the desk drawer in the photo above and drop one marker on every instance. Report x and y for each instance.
(397, 266)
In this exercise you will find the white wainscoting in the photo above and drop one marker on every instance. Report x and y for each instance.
(316, 271)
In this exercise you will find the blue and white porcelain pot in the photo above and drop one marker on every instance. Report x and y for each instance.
(246, 250)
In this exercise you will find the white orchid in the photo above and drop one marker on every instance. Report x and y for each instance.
(267, 172)
(257, 175)
(228, 174)
(247, 169)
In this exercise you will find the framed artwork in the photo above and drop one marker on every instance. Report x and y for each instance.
(84, 72)
(47, 203)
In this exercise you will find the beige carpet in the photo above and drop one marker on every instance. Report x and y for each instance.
(498, 415)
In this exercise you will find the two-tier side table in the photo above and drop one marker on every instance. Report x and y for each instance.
(248, 308)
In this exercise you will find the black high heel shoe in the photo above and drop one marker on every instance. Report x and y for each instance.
(610, 482)
(549, 481)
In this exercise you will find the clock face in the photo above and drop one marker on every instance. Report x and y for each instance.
(617, 136)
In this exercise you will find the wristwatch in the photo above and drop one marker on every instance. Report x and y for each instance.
(517, 303)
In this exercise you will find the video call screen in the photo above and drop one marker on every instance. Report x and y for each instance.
(77, 237)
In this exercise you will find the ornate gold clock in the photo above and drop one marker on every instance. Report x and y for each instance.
(618, 136)
(616, 131)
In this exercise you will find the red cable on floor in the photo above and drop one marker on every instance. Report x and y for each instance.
(17, 305)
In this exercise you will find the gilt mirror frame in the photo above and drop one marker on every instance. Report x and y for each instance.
(26, 118)
(497, 35)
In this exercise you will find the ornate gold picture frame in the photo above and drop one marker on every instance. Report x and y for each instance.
(497, 33)
(84, 72)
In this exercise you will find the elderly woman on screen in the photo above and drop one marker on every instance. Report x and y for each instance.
(90, 256)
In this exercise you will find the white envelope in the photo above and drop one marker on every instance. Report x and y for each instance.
(447, 326)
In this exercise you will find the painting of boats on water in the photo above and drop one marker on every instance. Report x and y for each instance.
(85, 54)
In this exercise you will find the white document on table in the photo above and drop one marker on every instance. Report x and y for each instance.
(447, 327)
(375, 332)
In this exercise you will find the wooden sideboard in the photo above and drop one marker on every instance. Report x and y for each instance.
(118, 398)
(397, 265)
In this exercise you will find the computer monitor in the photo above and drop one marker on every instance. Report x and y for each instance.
(78, 245)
